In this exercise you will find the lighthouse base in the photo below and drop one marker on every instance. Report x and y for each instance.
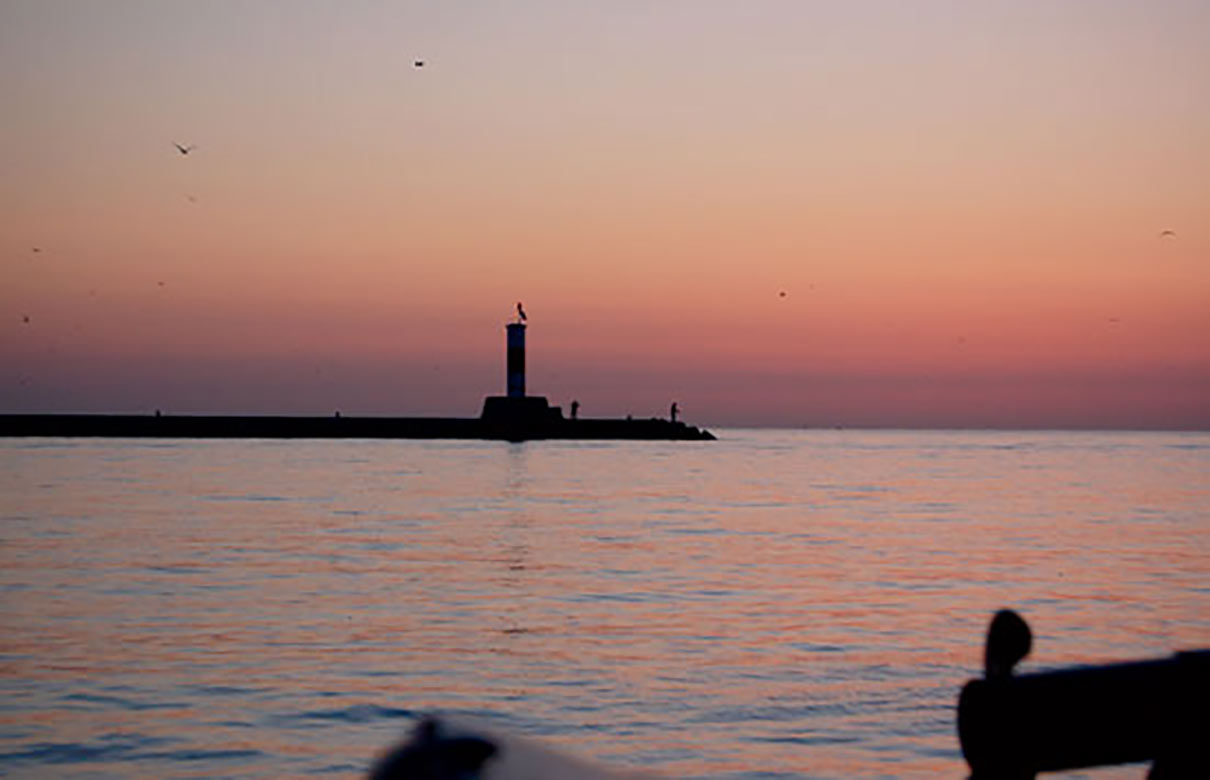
(521, 409)
(518, 418)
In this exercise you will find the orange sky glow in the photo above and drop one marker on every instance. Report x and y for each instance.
(964, 205)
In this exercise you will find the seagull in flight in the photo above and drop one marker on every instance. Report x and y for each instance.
(521, 312)
(184, 149)
(1168, 234)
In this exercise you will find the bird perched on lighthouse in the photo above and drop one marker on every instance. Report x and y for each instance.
(521, 312)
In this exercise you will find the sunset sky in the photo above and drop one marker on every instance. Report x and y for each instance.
(965, 204)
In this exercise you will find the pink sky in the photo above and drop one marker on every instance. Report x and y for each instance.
(963, 203)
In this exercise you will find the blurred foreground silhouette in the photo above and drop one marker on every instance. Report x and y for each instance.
(446, 749)
(1009, 726)
(1086, 716)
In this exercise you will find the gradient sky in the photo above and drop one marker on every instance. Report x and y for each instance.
(962, 201)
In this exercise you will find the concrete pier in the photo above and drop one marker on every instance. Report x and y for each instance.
(500, 423)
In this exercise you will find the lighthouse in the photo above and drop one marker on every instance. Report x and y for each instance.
(516, 359)
(515, 414)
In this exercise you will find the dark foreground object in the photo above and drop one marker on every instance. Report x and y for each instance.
(204, 427)
(431, 753)
(452, 749)
(1016, 726)
(1009, 726)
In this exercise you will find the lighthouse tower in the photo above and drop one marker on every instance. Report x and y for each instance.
(516, 359)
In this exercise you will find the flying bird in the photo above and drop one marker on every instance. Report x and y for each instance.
(521, 312)
(37, 249)
(418, 64)
(782, 294)
(184, 149)
(25, 318)
(1168, 234)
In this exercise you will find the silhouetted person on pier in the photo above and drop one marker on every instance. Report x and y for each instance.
(575, 409)
(674, 411)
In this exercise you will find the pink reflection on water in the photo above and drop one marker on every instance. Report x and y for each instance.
(807, 603)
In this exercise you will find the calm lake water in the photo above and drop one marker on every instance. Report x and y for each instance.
(776, 603)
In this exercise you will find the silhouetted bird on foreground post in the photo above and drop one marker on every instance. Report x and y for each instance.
(521, 312)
